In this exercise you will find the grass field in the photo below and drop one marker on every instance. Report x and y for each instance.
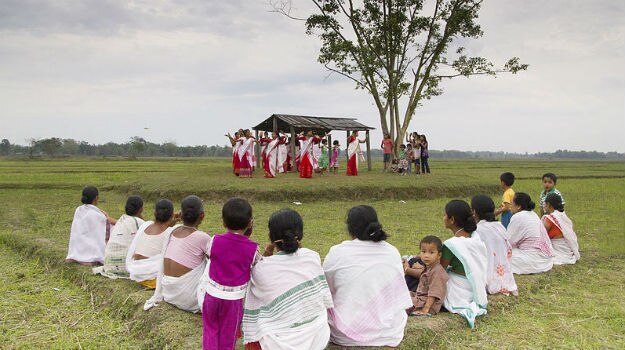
(49, 304)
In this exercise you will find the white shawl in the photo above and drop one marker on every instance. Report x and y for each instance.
(466, 295)
(353, 148)
(369, 292)
(145, 269)
(178, 291)
(289, 312)
(566, 249)
(499, 273)
(283, 152)
(87, 239)
(273, 156)
(117, 247)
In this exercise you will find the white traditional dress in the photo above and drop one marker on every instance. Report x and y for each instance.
(565, 249)
(499, 271)
(117, 247)
(531, 247)
(87, 239)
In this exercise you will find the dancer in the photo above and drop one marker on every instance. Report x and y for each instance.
(306, 159)
(246, 154)
(272, 159)
(236, 161)
(353, 150)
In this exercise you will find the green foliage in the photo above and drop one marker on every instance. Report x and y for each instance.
(398, 49)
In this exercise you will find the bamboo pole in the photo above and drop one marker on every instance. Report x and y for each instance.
(368, 152)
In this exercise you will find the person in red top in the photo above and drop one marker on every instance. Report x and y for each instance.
(387, 146)
(306, 158)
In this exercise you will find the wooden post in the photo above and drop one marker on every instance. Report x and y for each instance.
(346, 146)
(293, 164)
(329, 150)
(257, 151)
(275, 130)
(368, 151)
(275, 124)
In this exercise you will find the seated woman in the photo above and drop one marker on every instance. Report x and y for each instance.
(145, 254)
(89, 232)
(121, 237)
(184, 260)
(560, 230)
(288, 297)
(366, 278)
(531, 247)
(465, 257)
(499, 277)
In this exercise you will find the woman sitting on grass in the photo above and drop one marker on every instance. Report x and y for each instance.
(531, 248)
(89, 232)
(499, 273)
(184, 260)
(465, 256)
(560, 230)
(145, 254)
(121, 238)
(366, 278)
(288, 297)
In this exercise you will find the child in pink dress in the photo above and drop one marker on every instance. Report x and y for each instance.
(232, 255)
(334, 159)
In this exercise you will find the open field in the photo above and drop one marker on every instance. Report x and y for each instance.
(577, 306)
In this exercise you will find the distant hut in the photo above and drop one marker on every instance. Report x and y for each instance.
(294, 124)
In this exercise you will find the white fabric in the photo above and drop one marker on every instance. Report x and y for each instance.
(272, 157)
(283, 152)
(466, 295)
(246, 150)
(178, 291)
(117, 247)
(499, 272)
(289, 312)
(369, 292)
(316, 153)
(566, 249)
(306, 150)
(530, 261)
(531, 247)
(145, 269)
(87, 239)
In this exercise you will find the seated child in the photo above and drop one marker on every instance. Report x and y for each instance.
(549, 186)
(428, 298)
(402, 166)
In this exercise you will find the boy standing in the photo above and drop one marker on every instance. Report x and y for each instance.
(549, 186)
(428, 298)
(507, 180)
(387, 146)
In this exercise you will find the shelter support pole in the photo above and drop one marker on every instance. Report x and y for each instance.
(368, 151)
(257, 151)
(329, 149)
(293, 163)
(275, 125)
(346, 147)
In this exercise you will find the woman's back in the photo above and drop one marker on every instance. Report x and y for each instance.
(88, 235)
(185, 251)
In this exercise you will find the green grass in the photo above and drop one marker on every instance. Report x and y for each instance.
(569, 307)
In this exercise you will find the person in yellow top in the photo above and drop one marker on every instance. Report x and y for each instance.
(507, 180)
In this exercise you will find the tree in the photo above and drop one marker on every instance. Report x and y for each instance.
(50, 146)
(137, 145)
(396, 51)
(5, 147)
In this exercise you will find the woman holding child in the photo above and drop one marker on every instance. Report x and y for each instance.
(465, 255)
(287, 301)
(531, 248)
(366, 278)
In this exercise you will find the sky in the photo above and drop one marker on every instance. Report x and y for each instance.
(188, 71)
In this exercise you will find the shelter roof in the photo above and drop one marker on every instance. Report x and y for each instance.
(304, 123)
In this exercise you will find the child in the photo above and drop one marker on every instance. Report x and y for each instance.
(428, 298)
(403, 161)
(416, 154)
(507, 180)
(409, 158)
(231, 258)
(323, 157)
(387, 146)
(425, 155)
(334, 158)
(549, 186)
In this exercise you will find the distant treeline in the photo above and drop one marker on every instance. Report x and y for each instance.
(139, 147)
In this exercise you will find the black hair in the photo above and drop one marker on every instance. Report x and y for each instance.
(362, 223)
(192, 208)
(324, 141)
(286, 229)
(89, 194)
(507, 178)
(236, 213)
(484, 207)
(551, 176)
(433, 240)
(460, 211)
(335, 142)
(424, 138)
(133, 205)
(163, 210)
(555, 200)
(402, 146)
(524, 201)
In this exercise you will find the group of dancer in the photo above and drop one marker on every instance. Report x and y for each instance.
(284, 297)
(313, 154)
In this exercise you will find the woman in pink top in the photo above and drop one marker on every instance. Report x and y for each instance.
(184, 260)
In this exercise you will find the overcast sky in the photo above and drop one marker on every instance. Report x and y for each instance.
(188, 71)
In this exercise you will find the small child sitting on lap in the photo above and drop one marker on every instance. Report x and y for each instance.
(428, 298)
